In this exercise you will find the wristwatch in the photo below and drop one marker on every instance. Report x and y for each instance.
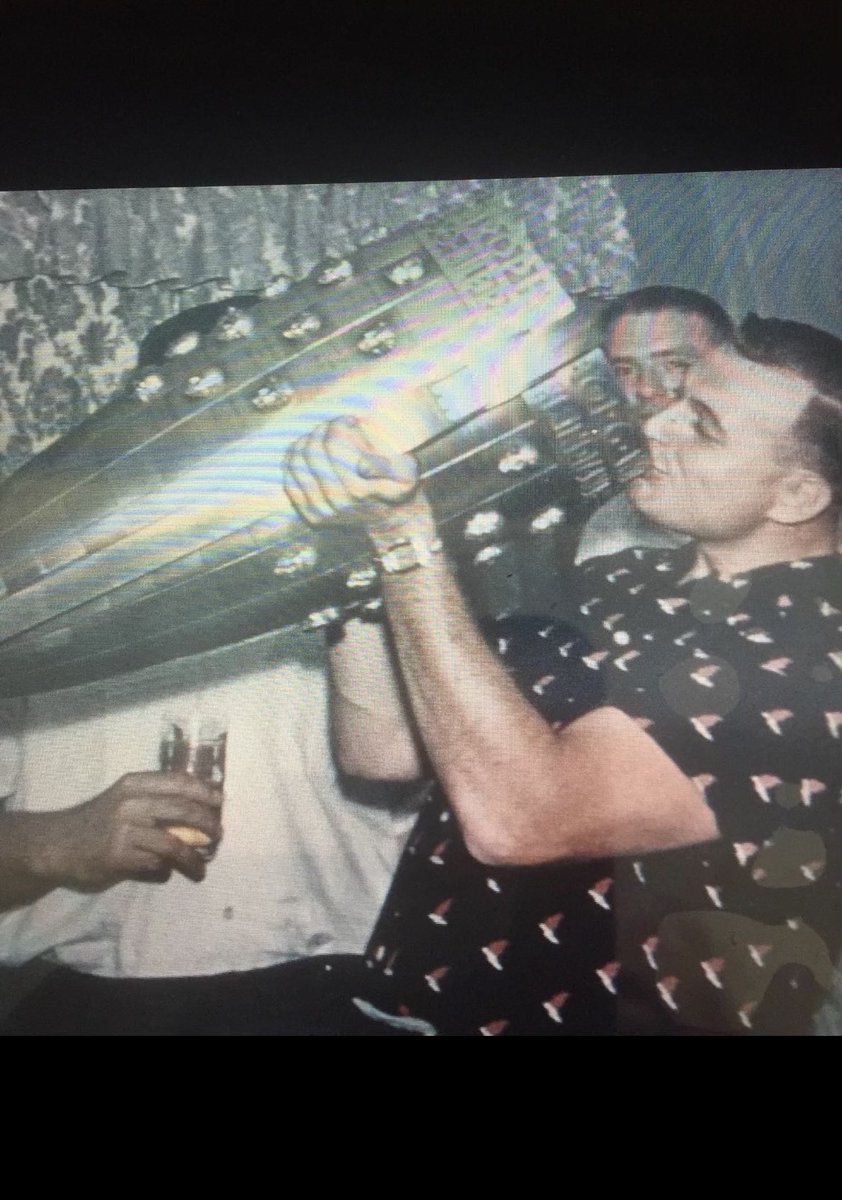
(407, 554)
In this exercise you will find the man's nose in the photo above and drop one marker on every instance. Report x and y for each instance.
(670, 424)
(653, 387)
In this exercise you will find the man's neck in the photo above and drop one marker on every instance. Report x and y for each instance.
(765, 547)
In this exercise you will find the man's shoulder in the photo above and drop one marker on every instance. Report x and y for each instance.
(586, 589)
(644, 561)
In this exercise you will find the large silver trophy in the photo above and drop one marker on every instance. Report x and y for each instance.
(159, 527)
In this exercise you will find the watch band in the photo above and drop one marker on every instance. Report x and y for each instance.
(408, 554)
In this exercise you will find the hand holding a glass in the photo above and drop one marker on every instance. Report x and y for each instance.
(195, 746)
(124, 833)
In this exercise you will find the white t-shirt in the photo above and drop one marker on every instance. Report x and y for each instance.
(301, 870)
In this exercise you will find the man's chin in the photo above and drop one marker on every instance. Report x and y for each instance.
(654, 408)
(649, 498)
(643, 491)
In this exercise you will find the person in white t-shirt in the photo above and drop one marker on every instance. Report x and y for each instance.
(143, 935)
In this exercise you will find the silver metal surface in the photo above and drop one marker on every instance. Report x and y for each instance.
(159, 527)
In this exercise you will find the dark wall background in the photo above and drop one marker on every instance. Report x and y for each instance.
(770, 241)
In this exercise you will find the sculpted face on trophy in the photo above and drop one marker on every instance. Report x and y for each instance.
(304, 326)
(234, 324)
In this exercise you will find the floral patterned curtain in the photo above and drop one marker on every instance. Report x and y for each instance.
(85, 275)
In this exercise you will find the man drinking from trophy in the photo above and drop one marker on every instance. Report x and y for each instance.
(632, 822)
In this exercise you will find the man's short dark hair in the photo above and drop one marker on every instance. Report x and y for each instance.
(815, 356)
(675, 299)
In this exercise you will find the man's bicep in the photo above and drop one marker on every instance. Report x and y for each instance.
(633, 795)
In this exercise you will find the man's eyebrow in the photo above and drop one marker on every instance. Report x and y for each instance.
(668, 353)
(673, 350)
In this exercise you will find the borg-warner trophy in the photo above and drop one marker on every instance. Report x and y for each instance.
(159, 527)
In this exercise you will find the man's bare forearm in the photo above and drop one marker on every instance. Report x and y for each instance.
(24, 869)
(372, 731)
(524, 793)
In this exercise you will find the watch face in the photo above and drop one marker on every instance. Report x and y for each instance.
(404, 556)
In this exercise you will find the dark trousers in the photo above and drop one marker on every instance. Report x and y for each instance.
(309, 997)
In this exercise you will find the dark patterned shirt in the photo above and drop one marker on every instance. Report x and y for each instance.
(741, 684)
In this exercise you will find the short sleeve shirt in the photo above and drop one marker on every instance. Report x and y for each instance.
(740, 683)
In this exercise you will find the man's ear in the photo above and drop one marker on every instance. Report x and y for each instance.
(802, 495)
